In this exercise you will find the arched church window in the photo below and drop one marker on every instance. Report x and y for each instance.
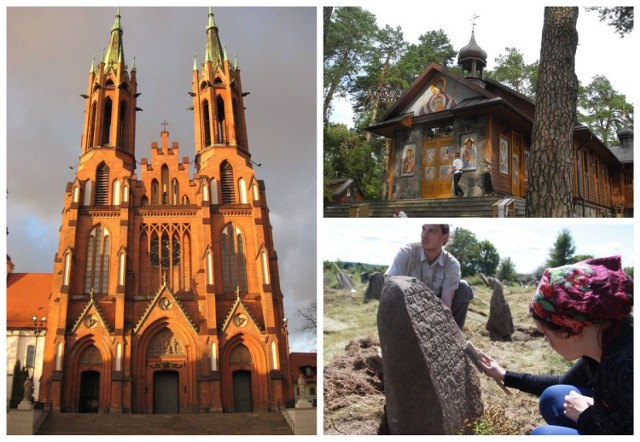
(175, 192)
(222, 135)
(102, 185)
(234, 265)
(123, 124)
(185, 200)
(214, 191)
(164, 184)
(206, 123)
(154, 191)
(98, 254)
(106, 123)
(92, 125)
(227, 183)
(164, 253)
(242, 187)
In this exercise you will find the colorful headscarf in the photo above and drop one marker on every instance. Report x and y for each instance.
(588, 292)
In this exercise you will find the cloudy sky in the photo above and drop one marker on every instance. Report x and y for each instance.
(49, 53)
(500, 24)
(526, 242)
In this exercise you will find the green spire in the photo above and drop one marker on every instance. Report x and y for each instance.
(214, 52)
(133, 64)
(115, 51)
(93, 65)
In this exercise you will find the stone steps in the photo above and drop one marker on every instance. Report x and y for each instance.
(257, 423)
(480, 207)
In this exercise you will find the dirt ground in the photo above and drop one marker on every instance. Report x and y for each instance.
(354, 381)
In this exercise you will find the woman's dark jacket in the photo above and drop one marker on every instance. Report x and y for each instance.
(611, 381)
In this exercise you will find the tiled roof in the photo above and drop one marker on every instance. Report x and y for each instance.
(299, 360)
(27, 295)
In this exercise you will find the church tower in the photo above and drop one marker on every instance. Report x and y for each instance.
(166, 294)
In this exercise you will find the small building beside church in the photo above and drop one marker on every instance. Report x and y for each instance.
(489, 125)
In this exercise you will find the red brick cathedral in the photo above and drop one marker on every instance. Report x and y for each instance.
(166, 294)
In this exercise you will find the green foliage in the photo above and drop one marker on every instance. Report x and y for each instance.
(512, 71)
(348, 155)
(578, 258)
(433, 46)
(603, 109)
(629, 271)
(507, 270)
(349, 41)
(493, 422)
(488, 258)
(620, 17)
(464, 246)
(562, 251)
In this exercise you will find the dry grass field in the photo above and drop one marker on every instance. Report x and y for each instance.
(353, 378)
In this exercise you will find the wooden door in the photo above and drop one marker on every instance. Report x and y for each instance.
(242, 391)
(89, 392)
(165, 392)
(437, 156)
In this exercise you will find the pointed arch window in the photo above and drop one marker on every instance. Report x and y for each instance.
(102, 185)
(92, 125)
(154, 191)
(206, 123)
(222, 135)
(242, 187)
(123, 124)
(106, 123)
(227, 183)
(214, 191)
(234, 263)
(98, 254)
(164, 184)
(175, 192)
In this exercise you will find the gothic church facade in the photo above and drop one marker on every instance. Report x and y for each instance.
(166, 295)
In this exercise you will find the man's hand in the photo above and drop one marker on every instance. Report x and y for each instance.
(575, 404)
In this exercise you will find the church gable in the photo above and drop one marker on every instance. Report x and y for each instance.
(435, 90)
(239, 318)
(92, 317)
(164, 303)
(442, 93)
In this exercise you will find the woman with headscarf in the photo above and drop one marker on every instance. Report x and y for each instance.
(584, 311)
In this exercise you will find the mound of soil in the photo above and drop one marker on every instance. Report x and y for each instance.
(354, 391)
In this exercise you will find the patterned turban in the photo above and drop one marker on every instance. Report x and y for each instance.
(588, 292)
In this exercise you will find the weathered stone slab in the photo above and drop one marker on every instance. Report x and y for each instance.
(429, 382)
(374, 289)
(500, 323)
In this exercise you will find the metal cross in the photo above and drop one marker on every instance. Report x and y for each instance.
(165, 124)
(473, 21)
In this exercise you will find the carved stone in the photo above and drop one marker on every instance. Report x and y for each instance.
(430, 385)
(500, 323)
(374, 289)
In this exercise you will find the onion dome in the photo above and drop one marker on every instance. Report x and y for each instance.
(472, 58)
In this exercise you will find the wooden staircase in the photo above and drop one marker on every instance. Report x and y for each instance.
(257, 423)
(479, 207)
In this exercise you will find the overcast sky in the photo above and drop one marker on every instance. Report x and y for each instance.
(49, 53)
(526, 242)
(501, 24)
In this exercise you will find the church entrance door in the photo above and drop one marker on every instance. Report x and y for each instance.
(242, 391)
(437, 157)
(165, 392)
(89, 391)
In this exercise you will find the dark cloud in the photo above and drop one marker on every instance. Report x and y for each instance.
(49, 54)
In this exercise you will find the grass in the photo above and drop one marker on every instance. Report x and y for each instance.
(348, 318)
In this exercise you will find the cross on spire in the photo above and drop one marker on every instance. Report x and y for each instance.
(165, 124)
(473, 21)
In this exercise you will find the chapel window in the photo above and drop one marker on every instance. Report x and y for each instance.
(227, 183)
(102, 185)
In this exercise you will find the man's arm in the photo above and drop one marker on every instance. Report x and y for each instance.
(447, 297)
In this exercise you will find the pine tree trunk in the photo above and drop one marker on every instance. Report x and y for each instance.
(550, 190)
